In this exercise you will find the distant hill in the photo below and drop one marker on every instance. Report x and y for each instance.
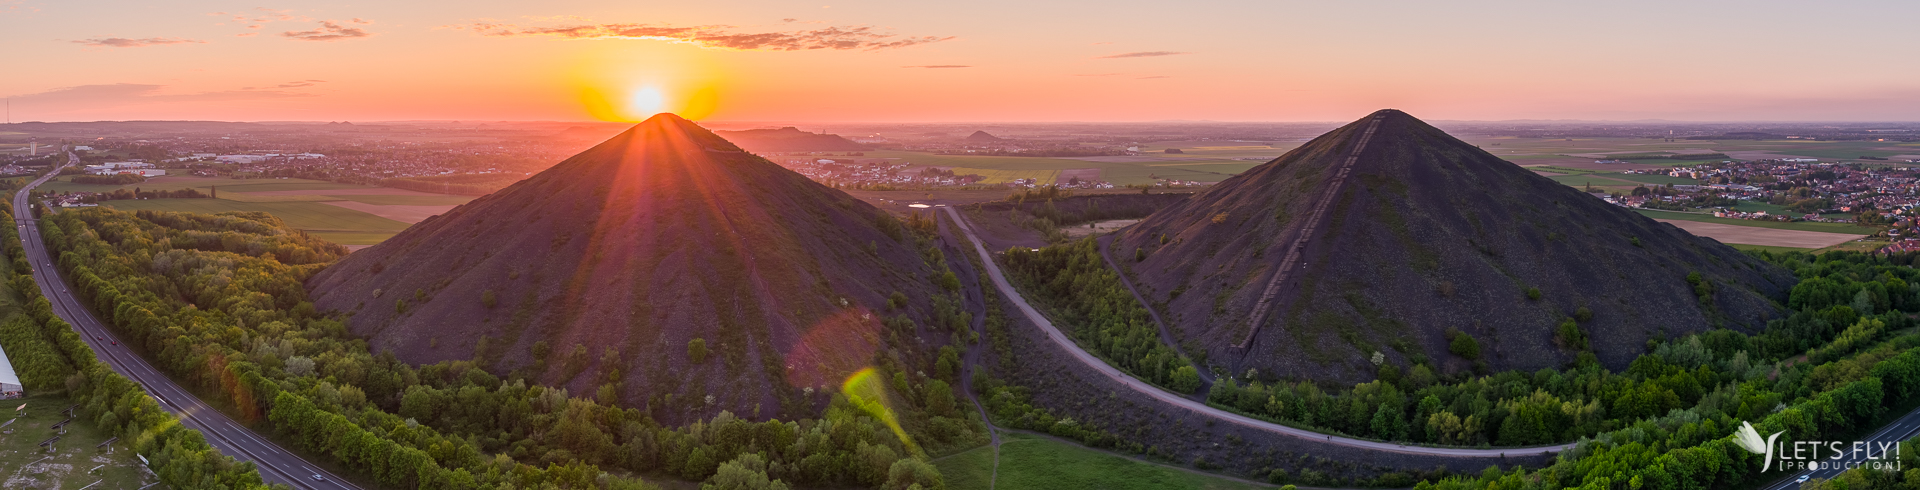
(983, 137)
(605, 269)
(1417, 235)
(789, 139)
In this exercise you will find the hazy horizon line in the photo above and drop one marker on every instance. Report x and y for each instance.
(1064, 121)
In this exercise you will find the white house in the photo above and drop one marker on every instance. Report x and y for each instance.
(9, 382)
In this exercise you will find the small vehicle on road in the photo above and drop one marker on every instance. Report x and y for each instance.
(1803, 478)
(319, 478)
(116, 342)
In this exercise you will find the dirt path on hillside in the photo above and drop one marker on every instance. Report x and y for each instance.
(974, 352)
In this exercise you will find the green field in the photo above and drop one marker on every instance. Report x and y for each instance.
(1034, 462)
(1752, 206)
(337, 224)
(1778, 250)
(992, 176)
(1652, 179)
(385, 200)
(1778, 225)
(73, 463)
(1568, 171)
(1592, 179)
(176, 182)
(303, 211)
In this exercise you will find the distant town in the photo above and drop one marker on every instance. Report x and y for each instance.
(1801, 189)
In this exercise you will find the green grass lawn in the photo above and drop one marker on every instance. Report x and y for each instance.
(1805, 226)
(1032, 462)
(337, 224)
(73, 463)
(968, 470)
(1770, 208)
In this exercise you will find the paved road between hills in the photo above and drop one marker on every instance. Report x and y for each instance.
(1163, 396)
(1895, 432)
(1292, 259)
(276, 464)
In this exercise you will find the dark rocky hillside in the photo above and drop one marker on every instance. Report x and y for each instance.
(603, 269)
(789, 139)
(1423, 235)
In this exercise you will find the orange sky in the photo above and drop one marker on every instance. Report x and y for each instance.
(958, 61)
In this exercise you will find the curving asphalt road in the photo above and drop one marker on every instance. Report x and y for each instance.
(276, 465)
(1163, 396)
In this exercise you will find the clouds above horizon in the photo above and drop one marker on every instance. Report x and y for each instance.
(330, 31)
(717, 36)
(121, 42)
(1142, 54)
(124, 93)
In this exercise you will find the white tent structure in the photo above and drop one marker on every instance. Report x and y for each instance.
(9, 382)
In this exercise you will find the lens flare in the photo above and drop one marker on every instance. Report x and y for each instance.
(868, 392)
(833, 348)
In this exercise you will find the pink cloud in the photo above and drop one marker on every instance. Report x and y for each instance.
(328, 31)
(121, 42)
(719, 37)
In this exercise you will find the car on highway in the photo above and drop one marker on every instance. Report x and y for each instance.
(319, 478)
(1803, 478)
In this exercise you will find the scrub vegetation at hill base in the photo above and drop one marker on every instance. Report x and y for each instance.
(216, 301)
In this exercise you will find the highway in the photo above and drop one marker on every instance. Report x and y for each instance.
(1895, 432)
(276, 465)
(1167, 397)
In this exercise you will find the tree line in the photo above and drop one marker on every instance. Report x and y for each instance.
(50, 356)
(115, 179)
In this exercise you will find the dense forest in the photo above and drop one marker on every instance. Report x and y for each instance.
(50, 357)
(217, 301)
